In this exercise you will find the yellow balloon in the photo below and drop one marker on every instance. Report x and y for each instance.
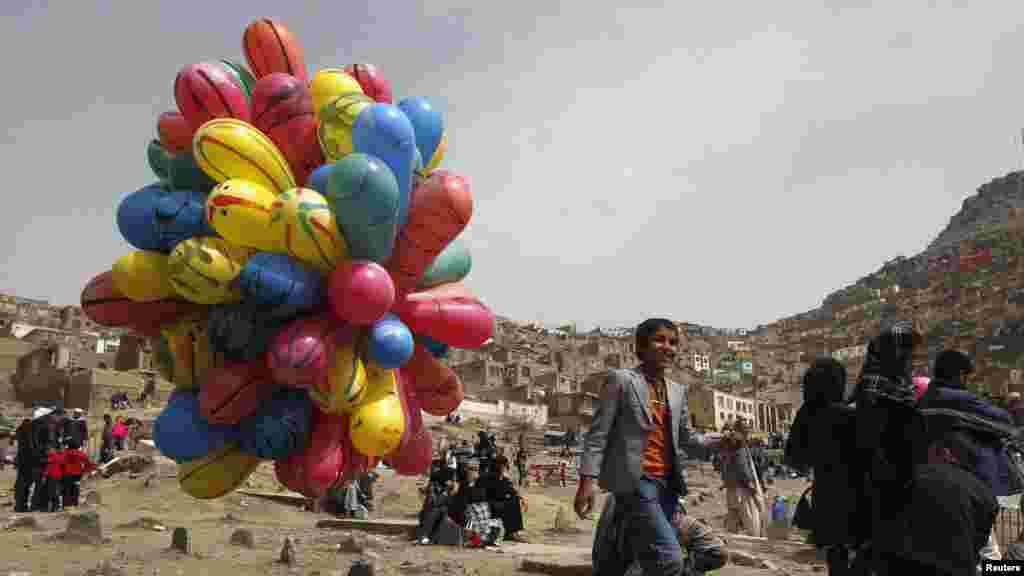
(302, 221)
(380, 382)
(226, 148)
(330, 83)
(203, 270)
(143, 276)
(189, 344)
(336, 121)
(239, 211)
(376, 427)
(345, 383)
(217, 473)
(438, 156)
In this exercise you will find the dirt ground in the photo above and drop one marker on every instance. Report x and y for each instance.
(137, 522)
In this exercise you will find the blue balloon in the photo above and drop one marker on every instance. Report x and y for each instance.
(280, 426)
(182, 434)
(241, 332)
(383, 131)
(436, 348)
(279, 284)
(317, 179)
(427, 122)
(156, 219)
(390, 343)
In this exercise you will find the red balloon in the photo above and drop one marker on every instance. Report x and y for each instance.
(318, 466)
(360, 292)
(374, 84)
(105, 305)
(282, 108)
(233, 391)
(415, 457)
(410, 409)
(438, 389)
(206, 91)
(459, 320)
(439, 209)
(301, 351)
(355, 461)
(174, 132)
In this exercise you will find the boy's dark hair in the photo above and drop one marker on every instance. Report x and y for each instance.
(648, 327)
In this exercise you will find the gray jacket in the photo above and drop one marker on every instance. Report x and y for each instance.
(613, 448)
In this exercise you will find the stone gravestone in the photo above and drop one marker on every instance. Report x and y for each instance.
(181, 541)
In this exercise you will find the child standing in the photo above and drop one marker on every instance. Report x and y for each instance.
(54, 478)
(76, 463)
(562, 473)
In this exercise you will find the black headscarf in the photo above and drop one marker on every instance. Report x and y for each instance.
(824, 382)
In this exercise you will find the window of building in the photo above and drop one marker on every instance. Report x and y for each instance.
(525, 371)
(721, 416)
(721, 402)
(564, 405)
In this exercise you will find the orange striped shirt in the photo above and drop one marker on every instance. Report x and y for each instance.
(654, 464)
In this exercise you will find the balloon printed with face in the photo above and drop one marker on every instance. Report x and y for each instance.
(155, 218)
(203, 270)
(305, 224)
(240, 212)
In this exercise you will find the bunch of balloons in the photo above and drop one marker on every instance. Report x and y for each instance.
(298, 268)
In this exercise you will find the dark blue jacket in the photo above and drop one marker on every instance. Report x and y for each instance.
(993, 467)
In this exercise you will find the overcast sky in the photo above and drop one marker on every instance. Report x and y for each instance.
(725, 163)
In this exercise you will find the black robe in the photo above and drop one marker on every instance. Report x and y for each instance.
(505, 504)
(947, 517)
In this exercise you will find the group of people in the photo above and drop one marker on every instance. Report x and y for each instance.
(903, 482)
(471, 498)
(904, 479)
(50, 461)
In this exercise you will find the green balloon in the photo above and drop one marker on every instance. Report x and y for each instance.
(185, 174)
(451, 265)
(159, 159)
(363, 192)
(242, 76)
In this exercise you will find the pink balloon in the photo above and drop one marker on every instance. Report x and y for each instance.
(300, 352)
(920, 386)
(361, 292)
(415, 457)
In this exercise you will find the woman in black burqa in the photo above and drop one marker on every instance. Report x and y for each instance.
(886, 427)
(822, 439)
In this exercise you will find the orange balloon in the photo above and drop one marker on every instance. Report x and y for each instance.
(439, 209)
(438, 388)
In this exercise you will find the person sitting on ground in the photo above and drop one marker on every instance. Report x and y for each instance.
(704, 548)
(947, 512)
(506, 503)
(472, 509)
(435, 509)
